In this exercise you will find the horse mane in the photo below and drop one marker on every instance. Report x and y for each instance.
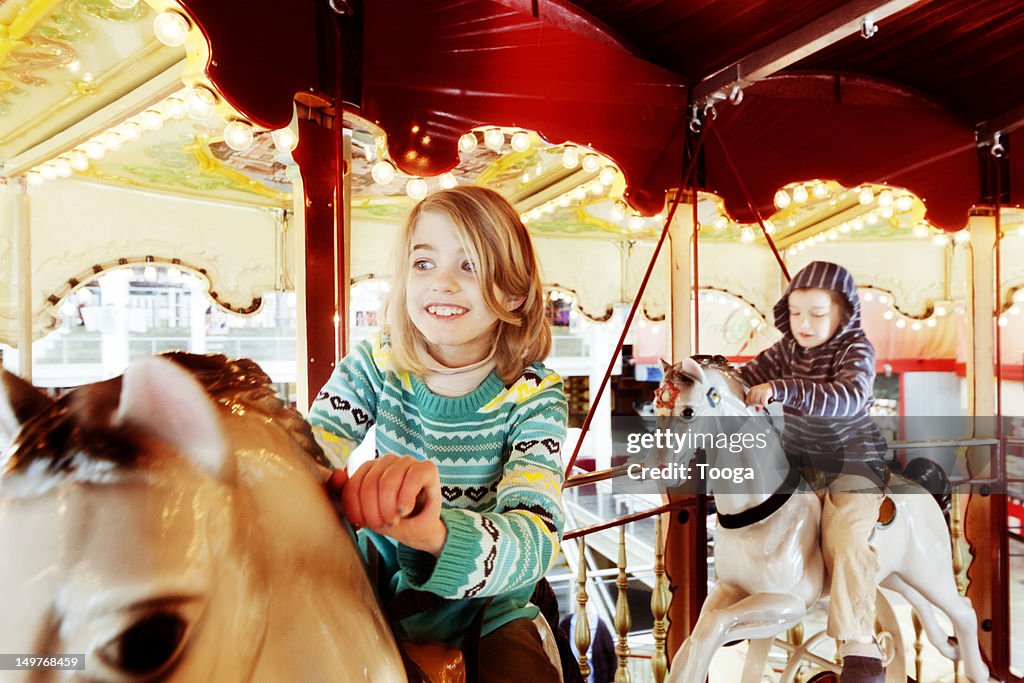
(77, 430)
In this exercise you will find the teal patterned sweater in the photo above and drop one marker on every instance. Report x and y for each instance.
(497, 450)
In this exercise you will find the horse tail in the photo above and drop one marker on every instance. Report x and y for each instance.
(929, 476)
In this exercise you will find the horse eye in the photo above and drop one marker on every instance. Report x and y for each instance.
(147, 646)
(688, 413)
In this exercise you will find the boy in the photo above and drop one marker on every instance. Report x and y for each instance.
(822, 371)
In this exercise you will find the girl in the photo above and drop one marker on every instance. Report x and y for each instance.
(463, 505)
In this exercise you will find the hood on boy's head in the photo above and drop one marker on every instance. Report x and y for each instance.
(823, 275)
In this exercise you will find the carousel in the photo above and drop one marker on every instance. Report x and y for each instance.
(209, 180)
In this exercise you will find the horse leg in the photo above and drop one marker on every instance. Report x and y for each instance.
(924, 610)
(939, 588)
(757, 655)
(722, 595)
(758, 616)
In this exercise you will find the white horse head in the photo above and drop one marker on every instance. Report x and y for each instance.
(171, 524)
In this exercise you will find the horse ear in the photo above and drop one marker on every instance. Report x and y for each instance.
(693, 370)
(19, 402)
(164, 400)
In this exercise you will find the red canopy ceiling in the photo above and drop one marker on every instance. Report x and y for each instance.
(614, 74)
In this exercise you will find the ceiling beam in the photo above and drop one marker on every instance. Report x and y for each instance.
(817, 35)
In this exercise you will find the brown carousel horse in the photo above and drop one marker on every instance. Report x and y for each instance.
(171, 524)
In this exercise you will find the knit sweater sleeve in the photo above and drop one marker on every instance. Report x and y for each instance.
(516, 542)
(850, 392)
(346, 407)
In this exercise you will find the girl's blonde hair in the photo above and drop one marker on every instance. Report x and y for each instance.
(497, 242)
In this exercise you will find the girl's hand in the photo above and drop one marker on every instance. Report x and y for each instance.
(382, 496)
(760, 395)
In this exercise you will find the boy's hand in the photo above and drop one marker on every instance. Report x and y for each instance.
(760, 395)
(399, 497)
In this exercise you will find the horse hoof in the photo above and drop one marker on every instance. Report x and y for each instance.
(862, 670)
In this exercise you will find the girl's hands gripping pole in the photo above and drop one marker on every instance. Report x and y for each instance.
(397, 496)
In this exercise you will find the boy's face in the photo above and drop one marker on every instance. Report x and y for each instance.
(443, 298)
(814, 316)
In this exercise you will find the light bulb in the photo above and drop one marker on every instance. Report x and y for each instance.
(494, 139)
(149, 273)
(888, 315)
(383, 172)
(174, 107)
(607, 176)
(79, 160)
(940, 240)
(171, 28)
(285, 140)
(199, 102)
(1014, 309)
(962, 236)
(570, 157)
(885, 198)
(868, 296)
(238, 135)
(578, 194)
(617, 212)
(124, 4)
(940, 311)
(111, 140)
(1003, 321)
(931, 322)
(904, 203)
(769, 227)
(173, 273)
(746, 234)
(866, 196)
(34, 178)
(720, 222)
(63, 167)
(151, 119)
(886, 213)
(800, 194)
(901, 323)
(48, 172)
(915, 326)
(820, 190)
(782, 199)
(520, 141)
(636, 223)
(94, 149)
(591, 162)
(920, 231)
(129, 130)
(416, 188)
(467, 143)
(844, 228)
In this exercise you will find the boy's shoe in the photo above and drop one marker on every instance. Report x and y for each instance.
(862, 670)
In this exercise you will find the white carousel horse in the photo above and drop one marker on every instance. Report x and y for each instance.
(770, 572)
(171, 524)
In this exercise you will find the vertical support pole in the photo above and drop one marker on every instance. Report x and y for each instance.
(985, 516)
(918, 645)
(623, 619)
(685, 551)
(659, 604)
(23, 228)
(313, 284)
(681, 237)
(581, 634)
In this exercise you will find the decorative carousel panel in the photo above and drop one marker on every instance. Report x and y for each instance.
(79, 229)
(62, 60)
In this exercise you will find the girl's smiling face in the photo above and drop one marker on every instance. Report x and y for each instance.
(443, 298)
(814, 316)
